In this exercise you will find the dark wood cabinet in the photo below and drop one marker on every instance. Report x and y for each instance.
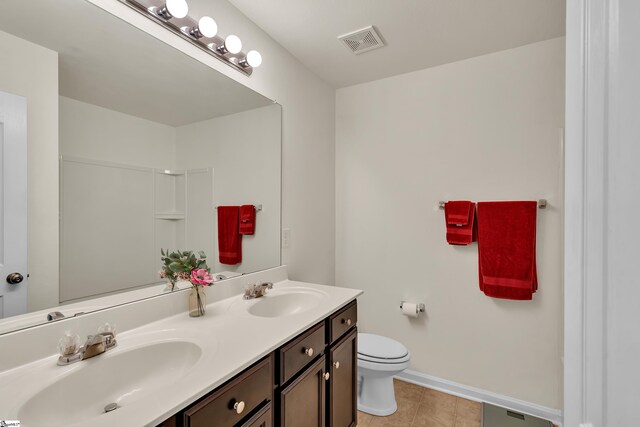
(342, 392)
(303, 402)
(310, 381)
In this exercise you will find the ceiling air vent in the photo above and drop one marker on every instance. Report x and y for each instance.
(362, 40)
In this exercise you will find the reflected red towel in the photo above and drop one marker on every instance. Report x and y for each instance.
(507, 249)
(460, 218)
(247, 219)
(229, 237)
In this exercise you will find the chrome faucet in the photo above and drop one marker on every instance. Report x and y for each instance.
(93, 346)
(54, 315)
(257, 290)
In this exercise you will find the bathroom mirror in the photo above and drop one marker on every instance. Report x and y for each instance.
(143, 143)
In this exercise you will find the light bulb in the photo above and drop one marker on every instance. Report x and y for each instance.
(177, 8)
(233, 44)
(207, 27)
(254, 59)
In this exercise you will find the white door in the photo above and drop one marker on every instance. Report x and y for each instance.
(13, 205)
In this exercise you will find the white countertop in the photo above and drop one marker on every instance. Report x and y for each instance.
(230, 338)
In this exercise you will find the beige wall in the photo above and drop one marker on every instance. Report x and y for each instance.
(487, 128)
(31, 71)
(91, 132)
(244, 151)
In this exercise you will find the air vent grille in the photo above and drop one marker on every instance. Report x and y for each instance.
(362, 40)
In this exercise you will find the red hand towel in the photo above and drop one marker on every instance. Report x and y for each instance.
(229, 238)
(460, 217)
(507, 249)
(247, 219)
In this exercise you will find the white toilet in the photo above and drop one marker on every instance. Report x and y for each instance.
(379, 359)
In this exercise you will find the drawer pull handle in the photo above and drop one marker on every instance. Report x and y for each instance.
(347, 321)
(308, 351)
(327, 376)
(336, 365)
(238, 407)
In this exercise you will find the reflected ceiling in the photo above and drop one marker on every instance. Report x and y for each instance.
(105, 61)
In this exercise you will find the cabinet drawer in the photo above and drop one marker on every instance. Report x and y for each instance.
(299, 352)
(171, 422)
(343, 320)
(264, 418)
(249, 390)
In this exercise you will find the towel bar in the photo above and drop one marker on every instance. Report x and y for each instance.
(258, 208)
(542, 204)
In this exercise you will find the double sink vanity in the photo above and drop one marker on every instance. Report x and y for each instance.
(285, 359)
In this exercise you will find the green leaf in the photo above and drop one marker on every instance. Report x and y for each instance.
(177, 267)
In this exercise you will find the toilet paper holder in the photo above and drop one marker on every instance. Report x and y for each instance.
(421, 306)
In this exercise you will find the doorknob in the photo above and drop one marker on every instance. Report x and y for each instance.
(14, 278)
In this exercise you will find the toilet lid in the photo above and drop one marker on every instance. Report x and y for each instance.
(379, 347)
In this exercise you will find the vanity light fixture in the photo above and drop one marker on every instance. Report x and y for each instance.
(206, 27)
(171, 9)
(202, 32)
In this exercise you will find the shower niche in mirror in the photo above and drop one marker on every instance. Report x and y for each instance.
(150, 143)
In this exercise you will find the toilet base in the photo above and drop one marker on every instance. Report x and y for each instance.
(377, 396)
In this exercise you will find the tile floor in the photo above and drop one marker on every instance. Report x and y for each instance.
(423, 407)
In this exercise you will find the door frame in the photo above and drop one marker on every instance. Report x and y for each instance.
(591, 45)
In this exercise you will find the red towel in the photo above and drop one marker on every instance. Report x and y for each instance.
(460, 217)
(247, 219)
(229, 237)
(507, 249)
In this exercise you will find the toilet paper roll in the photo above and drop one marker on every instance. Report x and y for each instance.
(410, 309)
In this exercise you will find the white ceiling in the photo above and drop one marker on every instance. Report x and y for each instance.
(106, 62)
(418, 33)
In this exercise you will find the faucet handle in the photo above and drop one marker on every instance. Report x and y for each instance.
(107, 329)
(250, 290)
(69, 344)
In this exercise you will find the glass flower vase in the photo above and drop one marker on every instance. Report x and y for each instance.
(197, 301)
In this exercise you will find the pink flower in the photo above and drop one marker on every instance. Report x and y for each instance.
(200, 276)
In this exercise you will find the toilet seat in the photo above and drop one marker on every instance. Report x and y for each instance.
(381, 350)
(384, 361)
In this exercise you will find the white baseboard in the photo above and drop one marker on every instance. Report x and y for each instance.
(480, 395)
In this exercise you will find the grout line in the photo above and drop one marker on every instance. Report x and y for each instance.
(413, 420)
(455, 412)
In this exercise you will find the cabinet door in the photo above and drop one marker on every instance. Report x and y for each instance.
(343, 368)
(302, 403)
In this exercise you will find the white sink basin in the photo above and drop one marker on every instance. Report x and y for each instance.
(118, 377)
(286, 302)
